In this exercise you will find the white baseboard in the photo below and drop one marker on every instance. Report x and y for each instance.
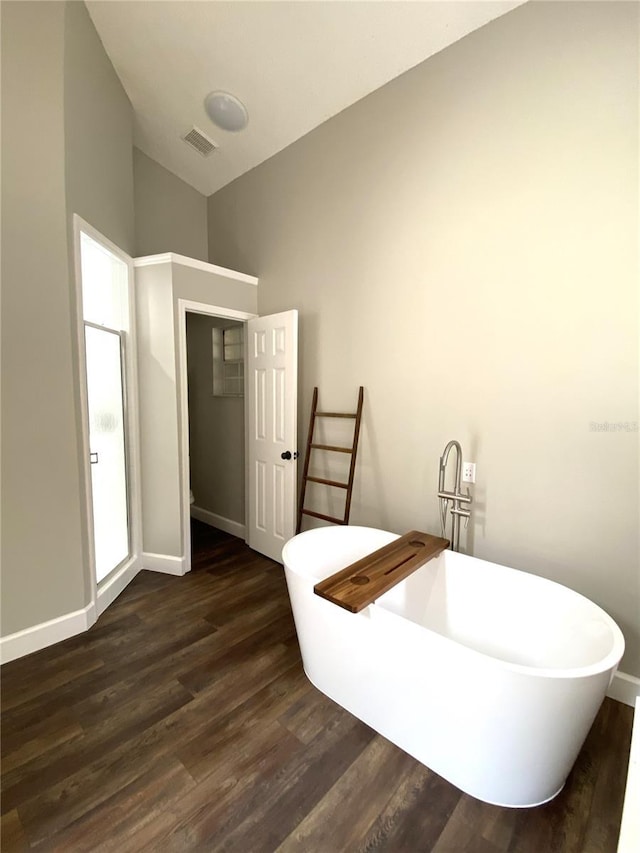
(114, 585)
(61, 628)
(45, 634)
(213, 520)
(164, 563)
(624, 688)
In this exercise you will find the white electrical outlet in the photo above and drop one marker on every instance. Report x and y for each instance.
(468, 472)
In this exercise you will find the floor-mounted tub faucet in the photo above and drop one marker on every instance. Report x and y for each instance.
(456, 496)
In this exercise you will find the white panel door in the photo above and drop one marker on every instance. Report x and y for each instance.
(272, 380)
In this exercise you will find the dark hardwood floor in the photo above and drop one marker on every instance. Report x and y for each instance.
(183, 721)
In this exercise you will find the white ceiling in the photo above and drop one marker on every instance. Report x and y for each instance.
(293, 64)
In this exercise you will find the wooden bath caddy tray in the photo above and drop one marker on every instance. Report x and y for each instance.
(355, 587)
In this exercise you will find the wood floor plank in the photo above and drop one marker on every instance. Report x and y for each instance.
(201, 754)
(122, 763)
(183, 721)
(62, 678)
(347, 811)
(12, 836)
(230, 608)
(499, 827)
(47, 777)
(199, 596)
(226, 660)
(196, 820)
(18, 676)
(310, 715)
(61, 654)
(207, 708)
(94, 708)
(464, 830)
(278, 805)
(47, 726)
(415, 815)
(34, 749)
(128, 811)
(126, 661)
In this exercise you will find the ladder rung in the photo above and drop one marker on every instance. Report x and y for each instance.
(329, 482)
(325, 517)
(334, 415)
(331, 447)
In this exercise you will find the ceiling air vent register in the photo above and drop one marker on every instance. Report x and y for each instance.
(202, 144)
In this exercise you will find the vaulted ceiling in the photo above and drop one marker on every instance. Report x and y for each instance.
(293, 65)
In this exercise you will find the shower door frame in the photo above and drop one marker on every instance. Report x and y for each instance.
(102, 594)
(122, 350)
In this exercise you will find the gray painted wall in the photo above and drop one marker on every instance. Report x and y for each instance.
(98, 134)
(463, 243)
(60, 153)
(216, 429)
(171, 216)
(42, 557)
(158, 289)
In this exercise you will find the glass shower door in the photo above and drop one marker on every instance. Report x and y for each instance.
(105, 393)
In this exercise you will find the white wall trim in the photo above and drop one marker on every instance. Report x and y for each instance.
(194, 263)
(218, 521)
(213, 310)
(185, 305)
(112, 586)
(45, 634)
(165, 563)
(152, 260)
(56, 630)
(624, 688)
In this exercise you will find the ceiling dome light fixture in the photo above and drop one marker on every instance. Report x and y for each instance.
(226, 111)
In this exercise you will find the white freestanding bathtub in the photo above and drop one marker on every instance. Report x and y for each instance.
(489, 676)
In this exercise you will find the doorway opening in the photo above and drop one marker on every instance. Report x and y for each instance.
(201, 319)
(215, 393)
(270, 349)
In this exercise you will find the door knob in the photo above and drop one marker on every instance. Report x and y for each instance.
(286, 455)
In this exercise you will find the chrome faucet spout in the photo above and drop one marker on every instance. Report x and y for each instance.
(445, 455)
(443, 465)
(455, 495)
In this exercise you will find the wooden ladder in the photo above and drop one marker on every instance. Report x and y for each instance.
(348, 486)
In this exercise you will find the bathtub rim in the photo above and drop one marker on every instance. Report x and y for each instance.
(610, 662)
